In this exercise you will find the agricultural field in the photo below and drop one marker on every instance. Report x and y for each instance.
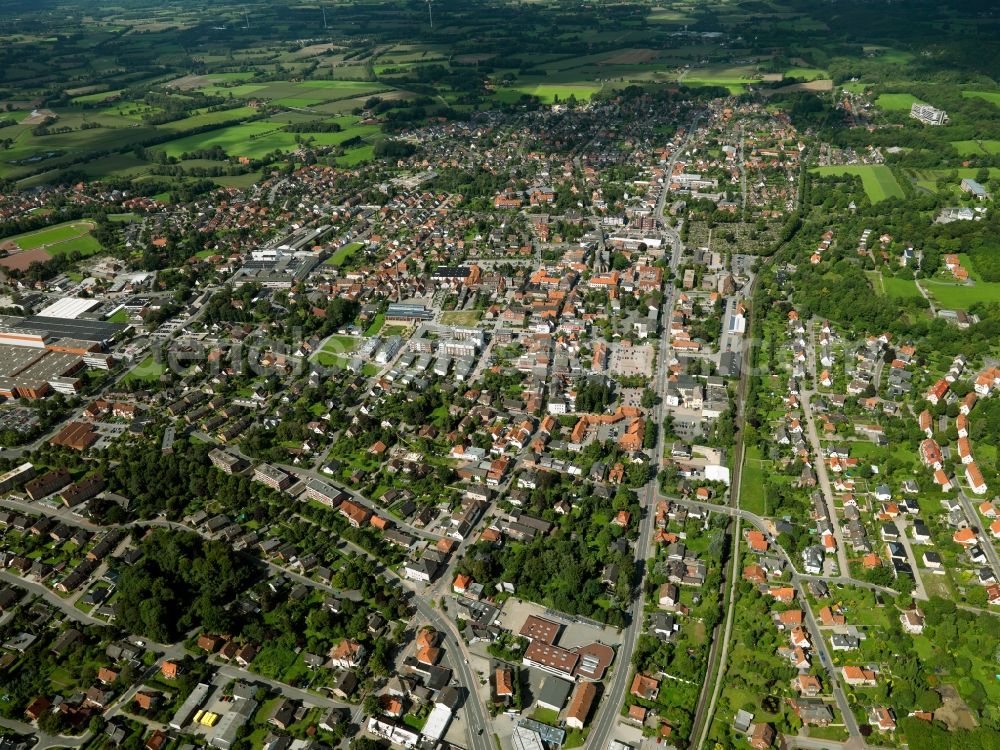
(877, 179)
(977, 148)
(736, 79)
(255, 139)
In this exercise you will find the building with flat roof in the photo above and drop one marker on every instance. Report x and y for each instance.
(927, 114)
(539, 629)
(9, 480)
(226, 461)
(549, 658)
(272, 476)
(437, 722)
(190, 706)
(402, 311)
(322, 492)
(554, 692)
(29, 372)
(69, 308)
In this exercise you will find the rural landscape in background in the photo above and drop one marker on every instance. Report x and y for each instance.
(499, 375)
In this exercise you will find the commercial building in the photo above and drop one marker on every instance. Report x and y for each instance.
(27, 371)
(549, 658)
(437, 722)
(69, 308)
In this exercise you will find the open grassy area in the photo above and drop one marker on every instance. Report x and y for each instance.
(341, 255)
(336, 350)
(461, 317)
(376, 325)
(993, 97)
(148, 369)
(255, 139)
(877, 179)
(889, 286)
(976, 148)
(899, 102)
(808, 74)
(752, 496)
(961, 296)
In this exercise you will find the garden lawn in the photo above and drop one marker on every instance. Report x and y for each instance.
(877, 179)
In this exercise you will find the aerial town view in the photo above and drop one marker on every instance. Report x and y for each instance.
(496, 375)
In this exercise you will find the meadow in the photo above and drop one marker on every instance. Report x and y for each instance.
(255, 139)
(877, 179)
(899, 102)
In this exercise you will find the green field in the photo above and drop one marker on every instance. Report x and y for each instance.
(735, 79)
(341, 255)
(60, 239)
(752, 495)
(889, 286)
(336, 351)
(255, 139)
(808, 74)
(551, 93)
(896, 102)
(976, 148)
(993, 97)
(148, 369)
(961, 296)
(877, 179)
(854, 87)
(461, 317)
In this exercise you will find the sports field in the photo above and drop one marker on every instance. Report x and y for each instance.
(877, 179)
(42, 244)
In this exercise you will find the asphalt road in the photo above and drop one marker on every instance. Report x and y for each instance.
(607, 714)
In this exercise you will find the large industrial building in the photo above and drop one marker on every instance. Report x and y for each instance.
(43, 354)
